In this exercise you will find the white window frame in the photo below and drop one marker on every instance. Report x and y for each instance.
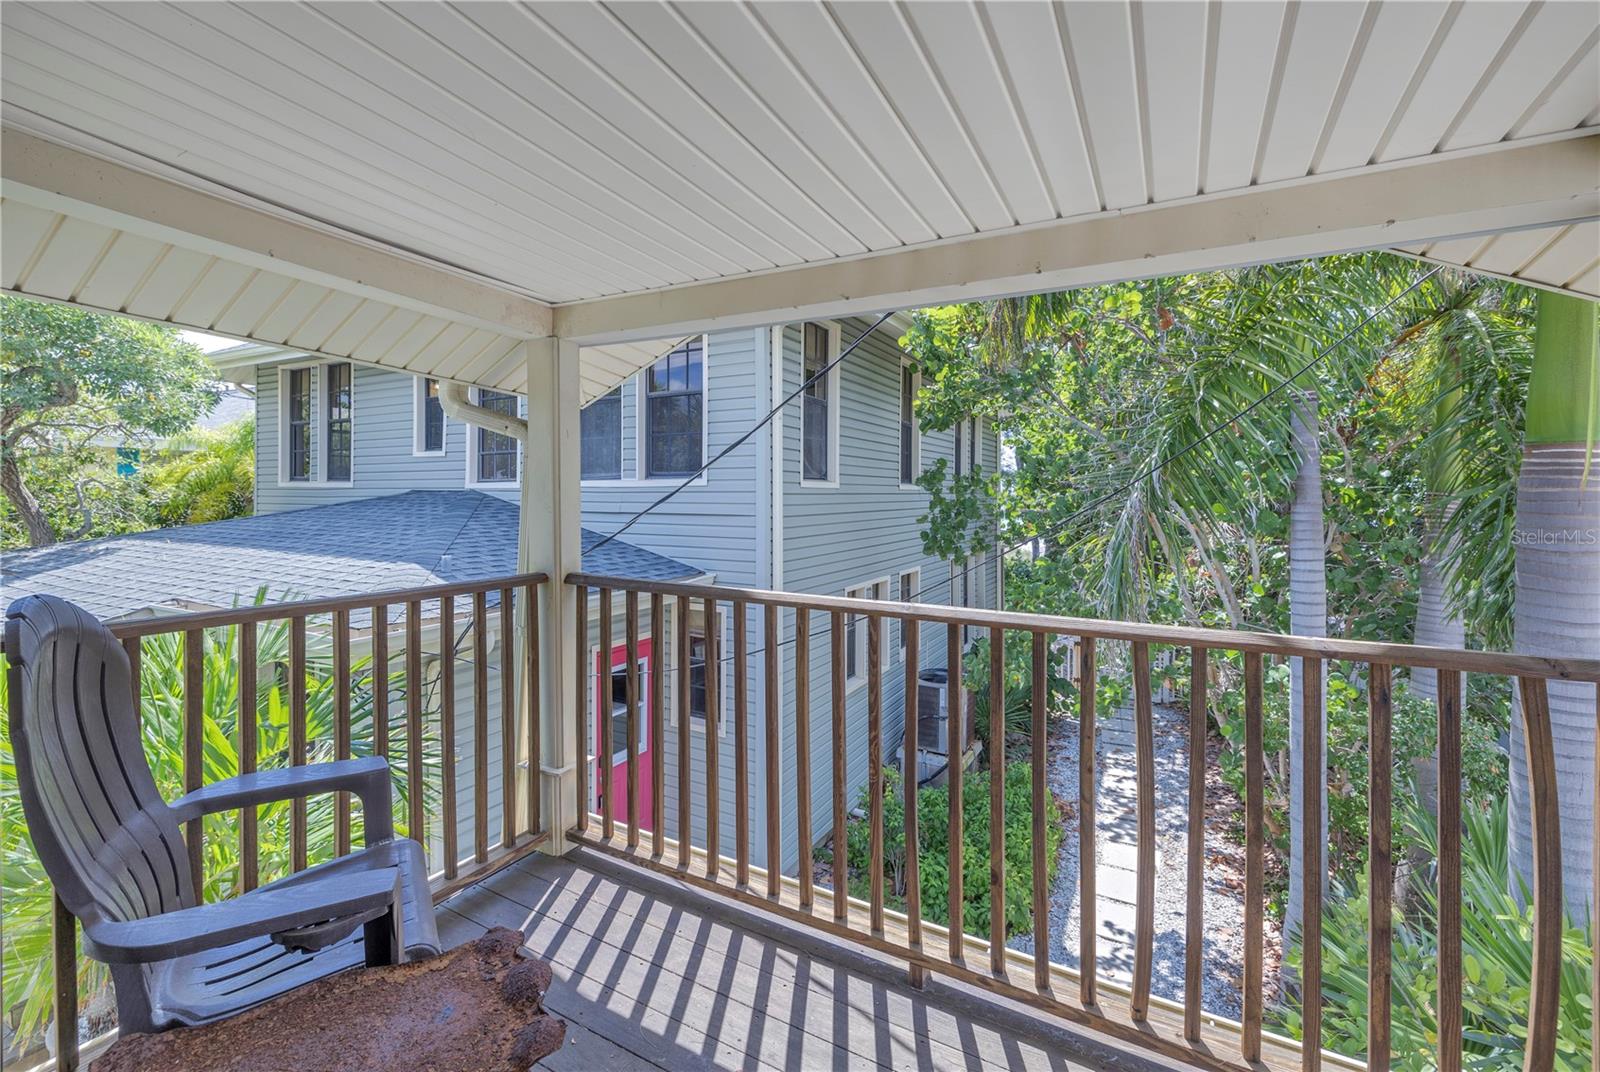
(916, 597)
(916, 429)
(622, 479)
(875, 589)
(724, 629)
(474, 434)
(835, 404)
(419, 424)
(619, 743)
(319, 428)
(641, 412)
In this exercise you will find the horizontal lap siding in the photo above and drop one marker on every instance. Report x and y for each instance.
(714, 526)
(834, 539)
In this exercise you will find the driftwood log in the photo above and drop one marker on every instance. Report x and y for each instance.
(478, 1007)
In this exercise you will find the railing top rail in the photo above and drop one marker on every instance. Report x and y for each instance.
(1364, 651)
(213, 619)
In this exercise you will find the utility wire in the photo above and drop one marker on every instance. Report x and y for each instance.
(737, 443)
(999, 552)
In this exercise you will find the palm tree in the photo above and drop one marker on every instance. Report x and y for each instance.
(1557, 547)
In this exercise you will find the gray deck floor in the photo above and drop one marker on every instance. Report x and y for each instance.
(650, 974)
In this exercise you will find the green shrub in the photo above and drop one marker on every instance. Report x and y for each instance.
(933, 848)
(1497, 959)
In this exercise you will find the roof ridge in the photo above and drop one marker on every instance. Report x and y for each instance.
(483, 499)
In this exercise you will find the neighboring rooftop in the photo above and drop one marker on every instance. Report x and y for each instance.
(408, 540)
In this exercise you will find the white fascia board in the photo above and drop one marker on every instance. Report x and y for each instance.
(1504, 188)
(77, 183)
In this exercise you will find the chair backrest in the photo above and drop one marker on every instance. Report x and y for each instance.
(105, 836)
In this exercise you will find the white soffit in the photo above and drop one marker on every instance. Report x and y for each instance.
(574, 151)
(1556, 258)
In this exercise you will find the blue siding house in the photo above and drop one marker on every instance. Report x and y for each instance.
(822, 500)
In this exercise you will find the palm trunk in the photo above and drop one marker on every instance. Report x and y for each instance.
(1558, 579)
(1308, 616)
(1437, 626)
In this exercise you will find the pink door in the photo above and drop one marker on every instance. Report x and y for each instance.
(612, 689)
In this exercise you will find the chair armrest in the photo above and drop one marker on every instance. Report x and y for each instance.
(260, 912)
(368, 778)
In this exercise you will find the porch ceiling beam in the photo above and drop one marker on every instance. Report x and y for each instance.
(82, 185)
(1499, 189)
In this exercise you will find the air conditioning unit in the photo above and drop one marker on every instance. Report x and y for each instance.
(933, 711)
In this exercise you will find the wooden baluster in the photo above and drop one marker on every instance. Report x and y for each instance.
(1037, 774)
(380, 680)
(249, 745)
(802, 750)
(1194, 936)
(741, 740)
(997, 801)
(447, 735)
(875, 767)
(956, 743)
(341, 725)
(415, 822)
(1088, 917)
(631, 690)
(1449, 1001)
(1544, 999)
(909, 773)
(535, 709)
(772, 731)
(194, 738)
(841, 867)
(64, 964)
(713, 737)
(135, 674)
(581, 645)
(297, 736)
(685, 768)
(1255, 848)
(1144, 911)
(480, 728)
(1380, 864)
(508, 719)
(658, 722)
(1316, 778)
(603, 746)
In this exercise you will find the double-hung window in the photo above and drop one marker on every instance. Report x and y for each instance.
(600, 437)
(906, 589)
(428, 421)
(496, 454)
(297, 408)
(856, 633)
(819, 415)
(910, 448)
(674, 412)
(336, 422)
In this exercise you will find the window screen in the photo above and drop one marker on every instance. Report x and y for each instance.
(338, 422)
(675, 412)
(298, 408)
(814, 422)
(600, 427)
(497, 454)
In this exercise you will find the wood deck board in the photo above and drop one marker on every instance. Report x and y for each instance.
(715, 995)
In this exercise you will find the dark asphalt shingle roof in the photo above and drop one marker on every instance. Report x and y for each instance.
(408, 540)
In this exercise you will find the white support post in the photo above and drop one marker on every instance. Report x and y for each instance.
(551, 542)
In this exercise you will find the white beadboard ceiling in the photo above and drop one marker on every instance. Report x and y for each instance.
(1560, 258)
(576, 151)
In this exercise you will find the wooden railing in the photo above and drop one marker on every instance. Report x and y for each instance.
(1183, 1030)
(327, 628)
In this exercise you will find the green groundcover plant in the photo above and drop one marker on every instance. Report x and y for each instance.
(27, 911)
(933, 848)
(1497, 961)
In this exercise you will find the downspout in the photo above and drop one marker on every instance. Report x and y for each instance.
(453, 399)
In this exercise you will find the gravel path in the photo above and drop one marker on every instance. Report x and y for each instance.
(1115, 861)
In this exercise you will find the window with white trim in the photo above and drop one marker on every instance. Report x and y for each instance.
(967, 446)
(428, 420)
(907, 588)
(336, 422)
(698, 693)
(600, 437)
(856, 633)
(494, 459)
(674, 412)
(910, 434)
(297, 405)
(819, 416)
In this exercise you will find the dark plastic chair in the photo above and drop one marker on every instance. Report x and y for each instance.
(112, 846)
